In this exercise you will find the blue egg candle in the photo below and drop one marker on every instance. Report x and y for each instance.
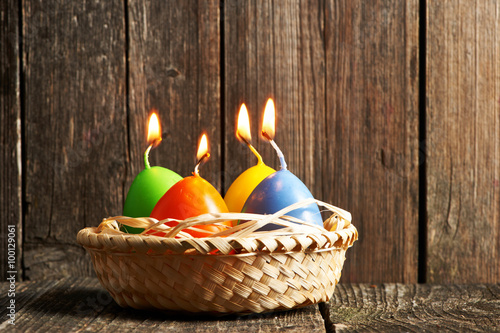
(282, 188)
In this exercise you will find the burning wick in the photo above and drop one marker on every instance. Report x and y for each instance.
(202, 154)
(278, 150)
(153, 136)
(243, 131)
(200, 162)
(268, 129)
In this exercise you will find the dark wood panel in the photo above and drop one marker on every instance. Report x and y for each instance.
(77, 304)
(463, 141)
(276, 49)
(10, 136)
(413, 308)
(371, 162)
(175, 68)
(76, 134)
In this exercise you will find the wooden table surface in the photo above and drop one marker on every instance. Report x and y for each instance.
(82, 305)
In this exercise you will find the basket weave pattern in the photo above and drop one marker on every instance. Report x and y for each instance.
(250, 282)
(239, 283)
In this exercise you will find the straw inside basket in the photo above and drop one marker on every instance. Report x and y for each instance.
(290, 225)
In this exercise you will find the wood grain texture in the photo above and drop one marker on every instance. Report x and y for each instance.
(10, 136)
(463, 141)
(413, 308)
(276, 49)
(175, 68)
(81, 304)
(75, 127)
(371, 162)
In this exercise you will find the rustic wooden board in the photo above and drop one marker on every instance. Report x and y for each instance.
(371, 162)
(175, 67)
(75, 128)
(10, 135)
(81, 304)
(276, 50)
(463, 141)
(413, 308)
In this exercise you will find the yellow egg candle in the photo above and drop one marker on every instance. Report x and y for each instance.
(241, 188)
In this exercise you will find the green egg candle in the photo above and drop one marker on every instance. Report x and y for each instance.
(282, 188)
(151, 183)
(241, 188)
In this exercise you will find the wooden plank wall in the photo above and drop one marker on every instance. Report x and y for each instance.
(372, 132)
(174, 67)
(389, 109)
(10, 137)
(463, 141)
(75, 128)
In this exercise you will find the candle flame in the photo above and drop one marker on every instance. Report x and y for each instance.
(243, 126)
(154, 130)
(268, 123)
(202, 147)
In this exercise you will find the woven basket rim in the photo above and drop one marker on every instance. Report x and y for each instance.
(155, 245)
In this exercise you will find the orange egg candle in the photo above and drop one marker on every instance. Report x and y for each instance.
(241, 188)
(192, 196)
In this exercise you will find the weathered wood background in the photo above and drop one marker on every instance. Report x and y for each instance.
(389, 109)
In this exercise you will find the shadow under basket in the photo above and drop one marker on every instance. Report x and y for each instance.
(256, 273)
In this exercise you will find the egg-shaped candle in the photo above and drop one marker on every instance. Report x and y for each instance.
(282, 188)
(241, 188)
(151, 183)
(192, 196)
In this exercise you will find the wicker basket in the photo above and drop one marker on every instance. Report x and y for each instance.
(241, 270)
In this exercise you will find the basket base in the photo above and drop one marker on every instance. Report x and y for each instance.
(219, 285)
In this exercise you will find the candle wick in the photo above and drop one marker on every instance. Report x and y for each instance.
(153, 144)
(242, 138)
(278, 150)
(256, 153)
(202, 160)
(265, 135)
(146, 157)
(280, 154)
(252, 148)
